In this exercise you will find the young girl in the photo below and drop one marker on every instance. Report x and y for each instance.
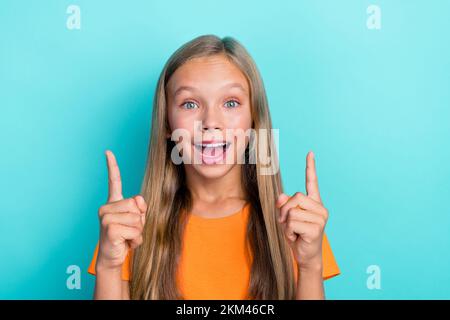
(218, 228)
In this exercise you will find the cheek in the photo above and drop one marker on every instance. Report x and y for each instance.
(181, 128)
(239, 120)
(179, 120)
(240, 126)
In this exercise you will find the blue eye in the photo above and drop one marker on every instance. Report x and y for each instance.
(189, 105)
(231, 104)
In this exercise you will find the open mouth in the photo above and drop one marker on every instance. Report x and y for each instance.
(212, 153)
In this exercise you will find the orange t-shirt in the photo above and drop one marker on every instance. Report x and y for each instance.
(214, 262)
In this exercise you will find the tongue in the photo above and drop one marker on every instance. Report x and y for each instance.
(212, 155)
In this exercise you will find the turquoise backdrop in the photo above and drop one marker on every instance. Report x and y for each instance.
(373, 104)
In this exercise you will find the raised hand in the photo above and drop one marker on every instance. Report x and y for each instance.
(303, 218)
(121, 221)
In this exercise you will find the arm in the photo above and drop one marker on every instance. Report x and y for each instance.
(310, 284)
(303, 218)
(110, 286)
(122, 222)
(125, 290)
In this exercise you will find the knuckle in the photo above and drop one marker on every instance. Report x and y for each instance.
(290, 223)
(293, 212)
(298, 195)
(326, 213)
(114, 179)
(288, 217)
(323, 221)
(140, 198)
(128, 202)
(317, 231)
(105, 220)
(131, 204)
(289, 212)
(136, 233)
(111, 231)
(101, 210)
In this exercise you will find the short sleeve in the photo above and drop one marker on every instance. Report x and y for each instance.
(330, 267)
(126, 270)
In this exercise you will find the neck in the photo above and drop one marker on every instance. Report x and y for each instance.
(215, 190)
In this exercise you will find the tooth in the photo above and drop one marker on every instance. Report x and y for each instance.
(210, 145)
(213, 145)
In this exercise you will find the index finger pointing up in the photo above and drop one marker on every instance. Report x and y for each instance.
(114, 180)
(312, 185)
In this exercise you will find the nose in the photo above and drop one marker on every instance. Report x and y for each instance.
(211, 120)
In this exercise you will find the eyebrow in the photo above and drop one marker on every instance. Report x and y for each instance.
(227, 86)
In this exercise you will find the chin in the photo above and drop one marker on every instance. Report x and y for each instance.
(215, 171)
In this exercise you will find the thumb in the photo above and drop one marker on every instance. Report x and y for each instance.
(282, 199)
(142, 205)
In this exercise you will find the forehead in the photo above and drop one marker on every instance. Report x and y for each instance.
(208, 73)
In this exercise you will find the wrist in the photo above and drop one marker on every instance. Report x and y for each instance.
(103, 268)
(314, 266)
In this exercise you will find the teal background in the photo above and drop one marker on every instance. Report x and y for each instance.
(372, 104)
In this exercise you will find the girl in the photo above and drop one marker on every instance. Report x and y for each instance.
(218, 228)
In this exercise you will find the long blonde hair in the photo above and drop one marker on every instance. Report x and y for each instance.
(164, 189)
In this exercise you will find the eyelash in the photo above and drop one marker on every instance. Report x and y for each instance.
(186, 102)
(234, 100)
(231, 100)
